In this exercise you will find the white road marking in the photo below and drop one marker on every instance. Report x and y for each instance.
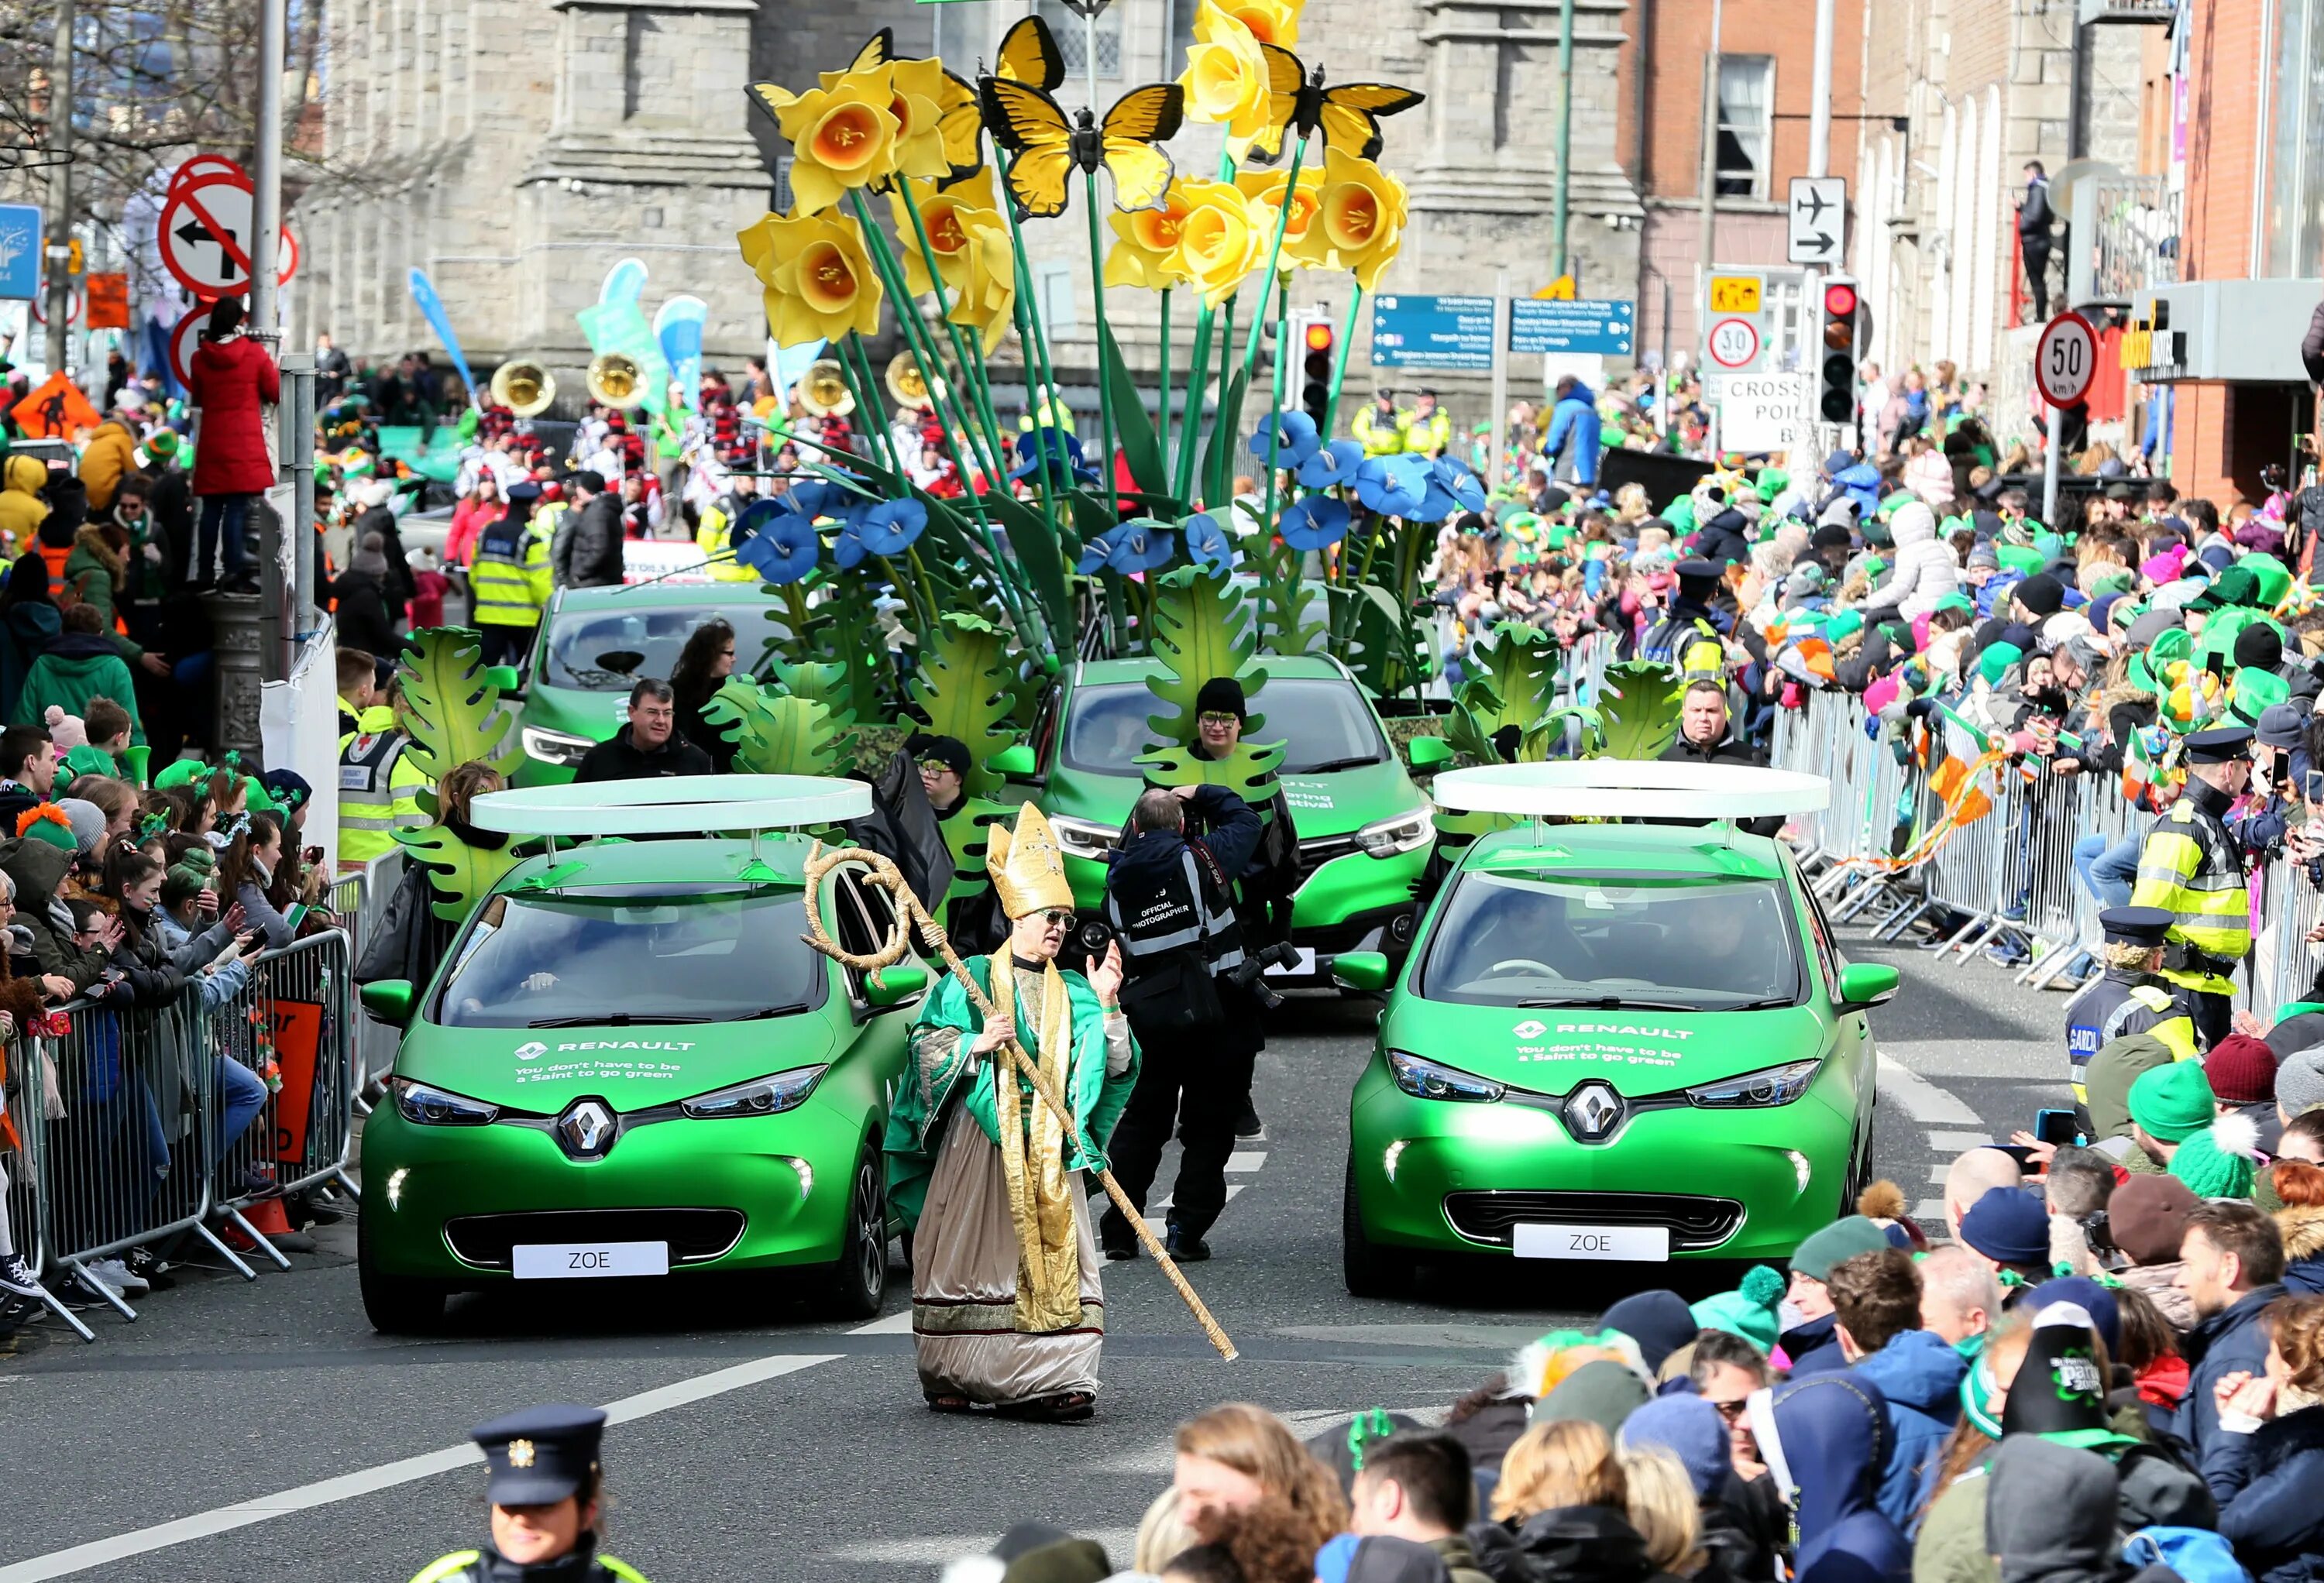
(894, 1324)
(1930, 1214)
(349, 1487)
(934, 1549)
(1246, 1159)
(1959, 1143)
(1923, 1101)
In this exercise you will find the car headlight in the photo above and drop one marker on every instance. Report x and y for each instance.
(554, 747)
(1430, 1079)
(1773, 1085)
(433, 1107)
(1385, 838)
(1084, 838)
(763, 1096)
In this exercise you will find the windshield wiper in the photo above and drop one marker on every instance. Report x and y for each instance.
(1612, 1003)
(617, 1020)
(791, 1010)
(1770, 1002)
(1329, 765)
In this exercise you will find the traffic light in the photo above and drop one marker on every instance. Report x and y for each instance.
(1315, 394)
(1836, 376)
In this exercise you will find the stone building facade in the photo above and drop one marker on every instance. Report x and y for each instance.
(515, 149)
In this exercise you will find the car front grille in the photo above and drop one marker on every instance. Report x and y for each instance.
(1317, 850)
(695, 1235)
(1695, 1223)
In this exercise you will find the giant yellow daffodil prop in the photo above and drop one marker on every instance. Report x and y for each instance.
(818, 280)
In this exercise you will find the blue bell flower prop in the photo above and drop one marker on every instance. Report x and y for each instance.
(1393, 486)
(893, 526)
(1294, 439)
(1460, 480)
(1140, 544)
(1313, 523)
(1208, 546)
(1058, 447)
(1332, 465)
(848, 550)
(783, 551)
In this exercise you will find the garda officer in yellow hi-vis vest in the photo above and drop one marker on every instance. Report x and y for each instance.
(2192, 868)
(547, 1493)
(2127, 997)
(379, 786)
(509, 580)
(715, 535)
(1427, 428)
(1379, 427)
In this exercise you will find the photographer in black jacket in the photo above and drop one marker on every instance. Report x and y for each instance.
(1168, 901)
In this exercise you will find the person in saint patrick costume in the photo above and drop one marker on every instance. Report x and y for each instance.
(1007, 1308)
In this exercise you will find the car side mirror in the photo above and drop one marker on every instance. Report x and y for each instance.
(1864, 984)
(1428, 752)
(503, 676)
(1017, 762)
(388, 1000)
(894, 984)
(1360, 969)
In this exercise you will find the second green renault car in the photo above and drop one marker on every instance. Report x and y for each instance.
(1612, 1041)
(595, 642)
(1364, 828)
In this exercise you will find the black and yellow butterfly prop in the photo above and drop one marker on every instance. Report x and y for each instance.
(1348, 115)
(1046, 147)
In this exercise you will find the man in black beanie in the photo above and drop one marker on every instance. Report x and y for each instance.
(2038, 598)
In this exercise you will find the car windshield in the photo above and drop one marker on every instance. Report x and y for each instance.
(603, 650)
(1322, 721)
(1536, 938)
(623, 956)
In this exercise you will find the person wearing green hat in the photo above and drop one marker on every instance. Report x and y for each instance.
(1751, 1310)
(1812, 1345)
(2174, 1119)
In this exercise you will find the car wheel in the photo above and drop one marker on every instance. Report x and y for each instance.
(1368, 1269)
(396, 1305)
(856, 1284)
(1859, 1172)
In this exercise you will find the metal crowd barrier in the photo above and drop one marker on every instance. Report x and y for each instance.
(2008, 879)
(138, 1158)
(360, 899)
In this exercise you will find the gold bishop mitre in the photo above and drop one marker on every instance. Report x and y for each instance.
(1026, 868)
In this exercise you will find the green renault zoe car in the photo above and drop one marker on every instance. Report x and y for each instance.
(1612, 1041)
(630, 1064)
(1365, 829)
(595, 642)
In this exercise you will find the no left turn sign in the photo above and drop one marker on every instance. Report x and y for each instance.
(1734, 343)
(2066, 360)
(208, 228)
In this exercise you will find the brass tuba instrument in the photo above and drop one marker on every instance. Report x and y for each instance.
(904, 381)
(616, 381)
(523, 387)
(823, 390)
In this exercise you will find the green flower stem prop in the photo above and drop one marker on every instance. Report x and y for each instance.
(969, 375)
(1339, 370)
(1162, 427)
(1220, 490)
(1282, 356)
(957, 428)
(1110, 495)
(855, 366)
(1028, 345)
(1274, 256)
(1198, 372)
(1036, 345)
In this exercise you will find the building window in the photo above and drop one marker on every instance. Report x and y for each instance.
(959, 32)
(1746, 102)
(782, 199)
(1181, 16)
(2294, 215)
(1073, 38)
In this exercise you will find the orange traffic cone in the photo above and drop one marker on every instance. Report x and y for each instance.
(266, 1215)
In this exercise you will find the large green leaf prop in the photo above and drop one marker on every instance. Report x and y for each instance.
(1638, 712)
(1248, 771)
(966, 837)
(454, 713)
(775, 733)
(834, 686)
(1519, 667)
(851, 640)
(457, 872)
(1203, 628)
(965, 686)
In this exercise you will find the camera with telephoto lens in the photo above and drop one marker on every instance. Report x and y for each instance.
(1249, 973)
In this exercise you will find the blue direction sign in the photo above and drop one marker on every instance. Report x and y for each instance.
(1433, 332)
(1572, 327)
(20, 251)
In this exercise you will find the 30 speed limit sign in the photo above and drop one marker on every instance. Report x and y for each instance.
(2066, 360)
(1734, 343)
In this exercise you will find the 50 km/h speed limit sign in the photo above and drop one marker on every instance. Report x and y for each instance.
(2066, 360)
(1734, 343)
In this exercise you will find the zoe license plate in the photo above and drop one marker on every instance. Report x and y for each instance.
(583, 1261)
(1634, 1244)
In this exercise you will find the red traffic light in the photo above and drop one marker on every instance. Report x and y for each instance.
(1840, 299)
(1319, 335)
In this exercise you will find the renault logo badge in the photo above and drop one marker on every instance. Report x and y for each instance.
(586, 1130)
(1593, 1112)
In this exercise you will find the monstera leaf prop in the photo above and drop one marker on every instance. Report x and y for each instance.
(1514, 688)
(1638, 712)
(459, 873)
(1202, 628)
(455, 714)
(966, 686)
(775, 733)
(832, 686)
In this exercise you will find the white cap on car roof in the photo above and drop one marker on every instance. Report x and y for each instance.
(680, 805)
(1630, 789)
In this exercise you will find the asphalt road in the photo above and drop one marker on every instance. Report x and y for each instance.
(261, 1431)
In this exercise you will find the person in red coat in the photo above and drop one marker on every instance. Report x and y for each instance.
(233, 374)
